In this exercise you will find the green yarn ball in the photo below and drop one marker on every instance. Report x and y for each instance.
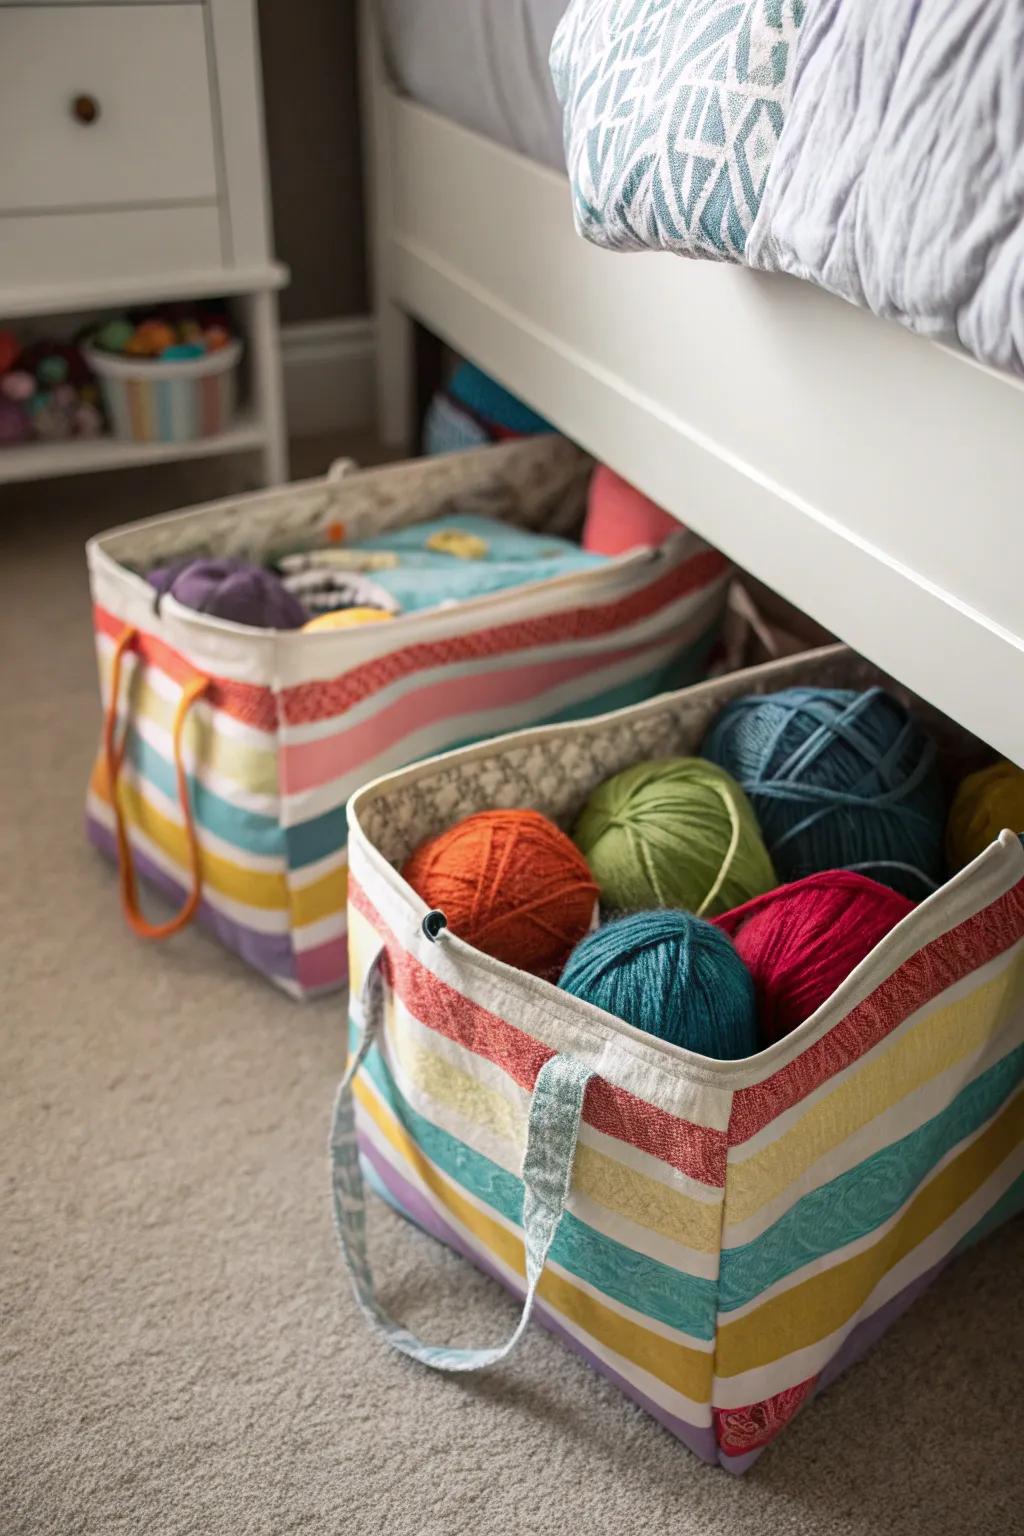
(677, 832)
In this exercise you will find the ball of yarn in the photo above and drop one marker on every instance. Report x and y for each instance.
(231, 589)
(838, 779)
(15, 423)
(10, 348)
(800, 941)
(347, 618)
(676, 832)
(18, 385)
(985, 803)
(673, 975)
(502, 413)
(510, 883)
(619, 517)
(52, 369)
(115, 335)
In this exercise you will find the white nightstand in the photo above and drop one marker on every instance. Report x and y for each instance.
(133, 171)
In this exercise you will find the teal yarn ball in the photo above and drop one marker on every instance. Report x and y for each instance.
(674, 976)
(676, 832)
(839, 780)
(493, 404)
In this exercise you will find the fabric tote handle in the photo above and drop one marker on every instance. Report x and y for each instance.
(114, 753)
(552, 1130)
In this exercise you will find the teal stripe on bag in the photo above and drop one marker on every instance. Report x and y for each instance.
(686, 667)
(243, 829)
(863, 1198)
(656, 1290)
(314, 839)
(1006, 1207)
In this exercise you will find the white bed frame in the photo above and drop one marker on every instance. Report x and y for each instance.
(874, 478)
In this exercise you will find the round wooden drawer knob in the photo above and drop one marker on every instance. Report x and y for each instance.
(85, 109)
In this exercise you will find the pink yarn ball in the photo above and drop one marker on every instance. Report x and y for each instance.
(18, 385)
(801, 941)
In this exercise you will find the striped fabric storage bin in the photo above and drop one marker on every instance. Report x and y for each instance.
(149, 401)
(721, 1239)
(233, 750)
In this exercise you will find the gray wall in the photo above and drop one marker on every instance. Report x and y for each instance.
(312, 110)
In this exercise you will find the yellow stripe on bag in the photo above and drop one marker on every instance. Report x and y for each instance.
(937, 1043)
(817, 1307)
(363, 943)
(254, 768)
(613, 1185)
(250, 887)
(685, 1370)
(320, 898)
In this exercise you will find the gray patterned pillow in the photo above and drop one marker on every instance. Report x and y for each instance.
(672, 113)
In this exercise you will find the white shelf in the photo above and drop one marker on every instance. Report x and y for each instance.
(114, 293)
(79, 455)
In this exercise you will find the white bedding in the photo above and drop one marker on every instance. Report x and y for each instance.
(482, 63)
(874, 149)
(899, 178)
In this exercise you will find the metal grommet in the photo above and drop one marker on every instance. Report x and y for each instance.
(433, 924)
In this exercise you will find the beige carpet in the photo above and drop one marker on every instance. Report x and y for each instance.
(180, 1351)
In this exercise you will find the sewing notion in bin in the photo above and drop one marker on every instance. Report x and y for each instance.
(230, 749)
(721, 1238)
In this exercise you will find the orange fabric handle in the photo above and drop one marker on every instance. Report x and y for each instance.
(114, 753)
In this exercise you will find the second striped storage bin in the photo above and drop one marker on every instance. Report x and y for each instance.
(149, 401)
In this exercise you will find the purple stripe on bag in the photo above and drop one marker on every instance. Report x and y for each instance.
(270, 953)
(700, 1441)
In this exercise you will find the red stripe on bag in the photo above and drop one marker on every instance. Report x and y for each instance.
(306, 702)
(247, 702)
(927, 974)
(696, 1150)
(742, 1430)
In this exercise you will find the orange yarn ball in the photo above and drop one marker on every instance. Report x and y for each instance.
(509, 883)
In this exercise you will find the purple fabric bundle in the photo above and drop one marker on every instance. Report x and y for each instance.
(231, 589)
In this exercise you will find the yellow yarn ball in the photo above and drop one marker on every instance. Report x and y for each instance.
(985, 803)
(346, 618)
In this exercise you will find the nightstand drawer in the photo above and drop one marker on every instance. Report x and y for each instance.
(62, 249)
(107, 105)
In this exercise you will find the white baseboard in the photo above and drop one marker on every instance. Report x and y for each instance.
(328, 374)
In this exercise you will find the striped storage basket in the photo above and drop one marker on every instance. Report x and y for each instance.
(721, 1239)
(149, 401)
(229, 752)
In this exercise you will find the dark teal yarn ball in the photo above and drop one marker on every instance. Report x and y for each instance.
(494, 405)
(673, 975)
(838, 780)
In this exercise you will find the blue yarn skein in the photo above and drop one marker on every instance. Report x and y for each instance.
(673, 975)
(838, 780)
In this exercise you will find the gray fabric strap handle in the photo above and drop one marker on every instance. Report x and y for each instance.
(547, 1173)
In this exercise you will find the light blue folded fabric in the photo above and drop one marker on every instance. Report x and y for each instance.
(494, 556)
